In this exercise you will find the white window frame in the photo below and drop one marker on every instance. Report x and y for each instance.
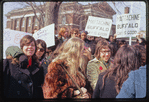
(36, 22)
(29, 22)
(17, 23)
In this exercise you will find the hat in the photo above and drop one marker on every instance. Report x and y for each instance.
(83, 31)
(13, 51)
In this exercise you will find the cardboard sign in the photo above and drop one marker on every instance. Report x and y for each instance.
(46, 34)
(12, 38)
(127, 25)
(97, 26)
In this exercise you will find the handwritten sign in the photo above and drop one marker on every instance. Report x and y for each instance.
(97, 26)
(46, 34)
(127, 25)
(12, 38)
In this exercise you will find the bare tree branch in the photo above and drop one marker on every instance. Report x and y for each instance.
(116, 7)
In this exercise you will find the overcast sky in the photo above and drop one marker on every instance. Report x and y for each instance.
(137, 8)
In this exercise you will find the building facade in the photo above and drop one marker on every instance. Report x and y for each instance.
(71, 15)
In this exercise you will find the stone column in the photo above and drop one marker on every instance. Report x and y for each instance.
(13, 25)
(19, 19)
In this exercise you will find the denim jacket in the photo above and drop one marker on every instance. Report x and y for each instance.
(135, 85)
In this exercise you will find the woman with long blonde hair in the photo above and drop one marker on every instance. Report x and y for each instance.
(57, 82)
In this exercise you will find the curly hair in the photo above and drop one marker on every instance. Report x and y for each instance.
(126, 59)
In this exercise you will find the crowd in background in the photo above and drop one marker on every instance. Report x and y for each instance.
(77, 66)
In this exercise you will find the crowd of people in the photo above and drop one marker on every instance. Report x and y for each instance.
(77, 66)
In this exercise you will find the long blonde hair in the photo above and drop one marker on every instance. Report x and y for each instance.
(71, 53)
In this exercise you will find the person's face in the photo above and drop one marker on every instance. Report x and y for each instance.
(40, 51)
(111, 39)
(83, 36)
(66, 34)
(105, 54)
(90, 37)
(29, 49)
(75, 34)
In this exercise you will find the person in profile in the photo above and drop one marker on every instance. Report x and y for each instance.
(135, 85)
(110, 82)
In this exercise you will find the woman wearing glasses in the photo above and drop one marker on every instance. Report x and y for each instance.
(41, 54)
(100, 63)
(23, 75)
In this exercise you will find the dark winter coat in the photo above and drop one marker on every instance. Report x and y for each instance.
(22, 82)
(44, 64)
(109, 90)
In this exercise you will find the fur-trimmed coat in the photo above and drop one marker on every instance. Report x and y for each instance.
(58, 84)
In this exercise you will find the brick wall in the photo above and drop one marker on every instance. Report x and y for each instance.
(67, 10)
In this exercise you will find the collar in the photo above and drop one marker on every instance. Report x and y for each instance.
(94, 60)
(143, 67)
(106, 64)
(32, 70)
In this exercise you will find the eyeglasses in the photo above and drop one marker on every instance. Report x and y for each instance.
(104, 52)
(40, 49)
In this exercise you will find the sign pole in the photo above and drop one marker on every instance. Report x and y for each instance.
(130, 40)
(131, 13)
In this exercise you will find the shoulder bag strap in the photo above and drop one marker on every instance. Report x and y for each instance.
(72, 80)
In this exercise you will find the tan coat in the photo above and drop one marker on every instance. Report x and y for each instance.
(94, 68)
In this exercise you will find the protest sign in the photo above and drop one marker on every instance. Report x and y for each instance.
(127, 25)
(46, 34)
(97, 26)
(12, 38)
